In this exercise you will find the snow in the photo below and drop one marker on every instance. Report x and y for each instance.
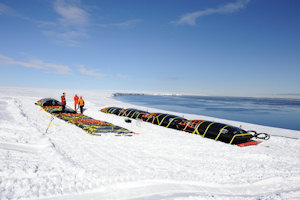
(159, 163)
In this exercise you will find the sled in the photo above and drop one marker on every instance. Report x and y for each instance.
(90, 125)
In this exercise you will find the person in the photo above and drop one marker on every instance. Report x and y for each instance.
(76, 98)
(81, 104)
(63, 102)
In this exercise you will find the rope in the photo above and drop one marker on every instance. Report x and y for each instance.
(261, 136)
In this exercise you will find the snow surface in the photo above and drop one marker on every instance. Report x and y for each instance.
(159, 163)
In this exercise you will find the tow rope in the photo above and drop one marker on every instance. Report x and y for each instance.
(261, 136)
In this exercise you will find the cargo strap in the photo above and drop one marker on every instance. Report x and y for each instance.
(207, 129)
(125, 114)
(159, 123)
(156, 118)
(187, 124)
(172, 121)
(129, 113)
(221, 131)
(237, 135)
(196, 129)
(137, 115)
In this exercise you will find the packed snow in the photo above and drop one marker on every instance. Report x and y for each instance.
(159, 163)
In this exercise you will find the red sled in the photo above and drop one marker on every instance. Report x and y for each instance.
(254, 142)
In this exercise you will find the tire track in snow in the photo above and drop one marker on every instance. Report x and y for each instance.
(30, 148)
(166, 190)
(33, 123)
(35, 158)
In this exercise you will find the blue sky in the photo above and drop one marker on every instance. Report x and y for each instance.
(218, 47)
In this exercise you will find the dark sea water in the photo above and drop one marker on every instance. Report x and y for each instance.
(275, 112)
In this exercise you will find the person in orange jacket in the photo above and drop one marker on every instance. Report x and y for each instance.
(76, 99)
(81, 104)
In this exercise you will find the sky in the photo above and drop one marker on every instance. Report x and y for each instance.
(203, 47)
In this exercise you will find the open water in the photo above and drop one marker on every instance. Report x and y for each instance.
(275, 112)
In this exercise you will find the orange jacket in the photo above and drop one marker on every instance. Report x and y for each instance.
(81, 102)
(76, 98)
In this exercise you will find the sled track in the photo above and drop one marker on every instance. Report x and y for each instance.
(166, 190)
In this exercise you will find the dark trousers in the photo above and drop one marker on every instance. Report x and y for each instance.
(81, 109)
(63, 107)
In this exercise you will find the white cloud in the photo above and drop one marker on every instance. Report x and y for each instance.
(90, 72)
(3, 9)
(6, 10)
(124, 24)
(36, 64)
(71, 14)
(129, 23)
(190, 18)
(74, 22)
(71, 25)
